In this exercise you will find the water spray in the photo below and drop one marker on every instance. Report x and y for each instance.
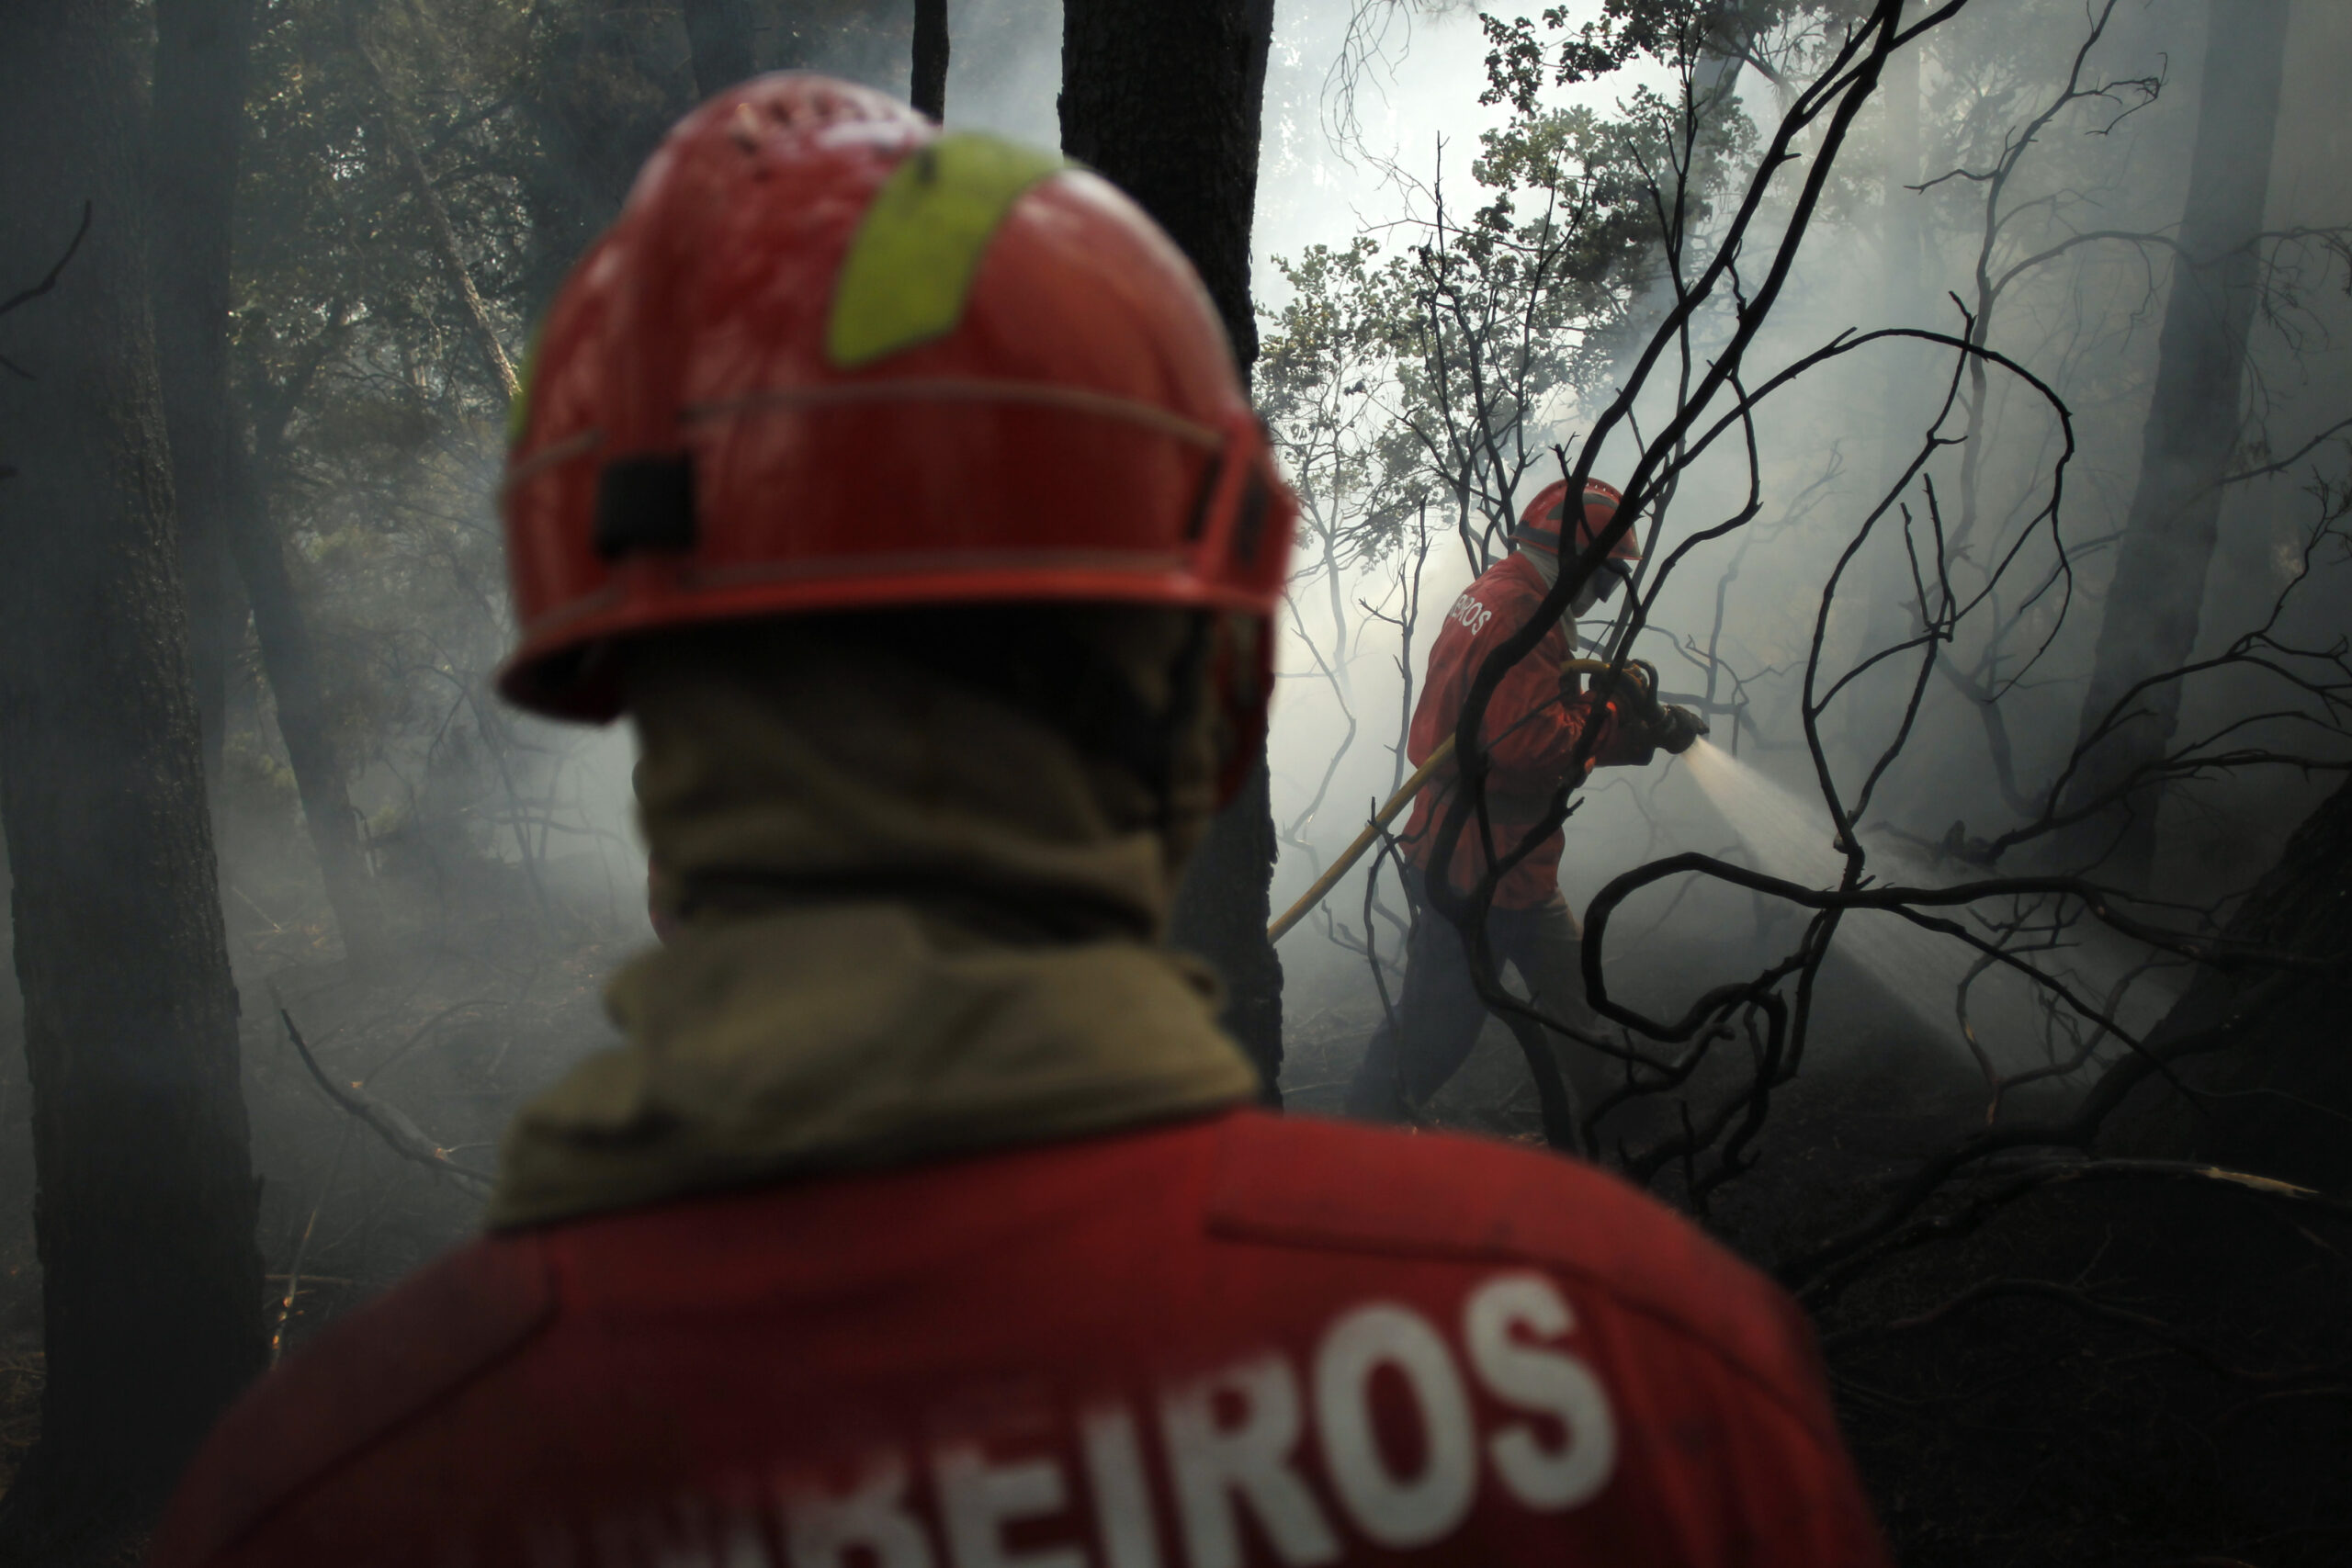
(1793, 840)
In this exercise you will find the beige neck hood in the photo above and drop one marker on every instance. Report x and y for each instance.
(915, 922)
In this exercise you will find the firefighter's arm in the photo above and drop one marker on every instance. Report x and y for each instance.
(1538, 733)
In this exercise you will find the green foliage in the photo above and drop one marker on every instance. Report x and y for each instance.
(1672, 31)
(1439, 373)
(372, 410)
(1323, 371)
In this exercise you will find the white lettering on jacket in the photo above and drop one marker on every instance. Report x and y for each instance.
(871, 1522)
(1395, 1510)
(1123, 1511)
(978, 1499)
(1256, 1463)
(1472, 614)
(1218, 1466)
(1534, 1378)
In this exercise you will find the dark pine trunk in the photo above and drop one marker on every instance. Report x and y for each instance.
(927, 80)
(1164, 100)
(145, 1217)
(2274, 1095)
(719, 31)
(2158, 593)
(197, 111)
(927, 86)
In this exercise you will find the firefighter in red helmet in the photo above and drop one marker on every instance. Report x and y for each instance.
(899, 488)
(1543, 729)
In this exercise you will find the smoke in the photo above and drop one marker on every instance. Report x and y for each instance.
(2070, 285)
(491, 831)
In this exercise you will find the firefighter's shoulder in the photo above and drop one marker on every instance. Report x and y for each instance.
(378, 1368)
(1509, 588)
(1449, 1198)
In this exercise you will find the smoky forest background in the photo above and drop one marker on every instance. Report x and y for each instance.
(1977, 375)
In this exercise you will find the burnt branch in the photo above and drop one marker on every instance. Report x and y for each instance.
(48, 282)
(387, 1120)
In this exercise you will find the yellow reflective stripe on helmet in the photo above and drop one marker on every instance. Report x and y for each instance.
(911, 263)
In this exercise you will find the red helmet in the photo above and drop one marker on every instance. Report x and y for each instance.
(1539, 522)
(829, 358)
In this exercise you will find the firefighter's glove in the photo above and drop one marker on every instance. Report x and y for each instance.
(1678, 730)
(1630, 690)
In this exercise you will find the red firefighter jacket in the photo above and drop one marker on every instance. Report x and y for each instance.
(1231, 1340)
(1532, 732)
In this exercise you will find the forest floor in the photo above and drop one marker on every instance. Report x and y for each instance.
(2126, 1377)
(2129, 1376)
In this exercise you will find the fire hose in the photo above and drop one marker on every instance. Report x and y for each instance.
(1640, 678)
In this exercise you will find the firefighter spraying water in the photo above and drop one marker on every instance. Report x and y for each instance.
(1547, 725)
(1544, 716)
(1789, 838)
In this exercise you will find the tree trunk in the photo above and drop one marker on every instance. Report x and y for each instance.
(2153, 605)
(1222, 909)
(1905, 402)
(194, 124)
(201, 70)
(927, 87)
(1905, 258)
(2275, 1097)
(1164, 100)
(145, 1209)
(719, 31)
(290, 663)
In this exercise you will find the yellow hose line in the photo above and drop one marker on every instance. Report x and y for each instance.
(1387, 814)
(1346, 862)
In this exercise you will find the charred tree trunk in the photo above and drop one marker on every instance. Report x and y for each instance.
(193, 127)
(2275, 1096)
(1222, 910)
(927, 89)
(2158, 591)
(1905, 252)
(289, 662)
(719, 32)
(194, 123)
(1164, 100)
(144, 1216)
